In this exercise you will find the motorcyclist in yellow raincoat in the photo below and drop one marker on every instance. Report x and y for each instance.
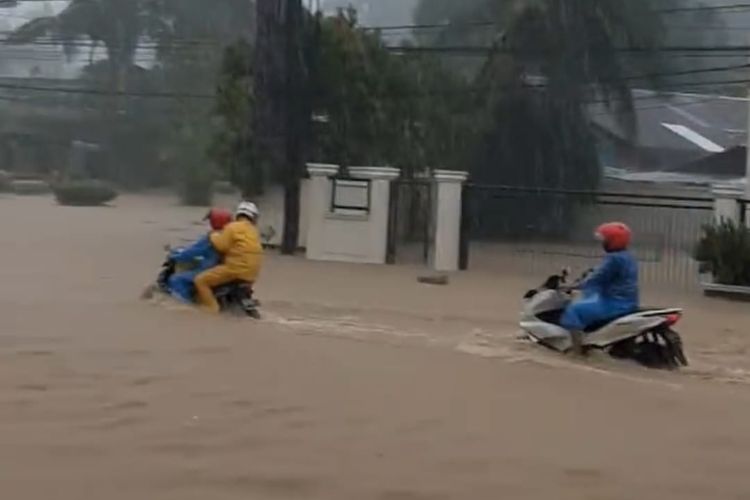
(240, 245)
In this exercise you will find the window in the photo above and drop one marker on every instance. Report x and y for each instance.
(350, 196)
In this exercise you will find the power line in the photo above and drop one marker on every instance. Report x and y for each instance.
(715, 69)
(705, 8)
(486, 50)
(187, 43)
(107, 93)
(470, 24)
(59, 41)
(706, 27)
(173, 95)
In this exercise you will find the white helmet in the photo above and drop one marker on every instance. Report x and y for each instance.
(248, 209)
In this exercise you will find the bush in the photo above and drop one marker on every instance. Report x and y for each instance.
(6, 181)
(30, 187)
(84, 193)
(724, 251)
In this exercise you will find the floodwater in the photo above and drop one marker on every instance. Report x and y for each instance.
(358, 384)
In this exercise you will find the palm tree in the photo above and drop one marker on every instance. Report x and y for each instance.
(549, 60)
(577, 45)
(116, 25)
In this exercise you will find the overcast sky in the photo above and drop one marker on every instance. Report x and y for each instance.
(377, 12)
(13, 17)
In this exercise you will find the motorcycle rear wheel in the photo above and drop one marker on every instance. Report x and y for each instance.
(658, 349)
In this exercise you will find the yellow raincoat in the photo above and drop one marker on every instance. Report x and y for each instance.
(239, 243)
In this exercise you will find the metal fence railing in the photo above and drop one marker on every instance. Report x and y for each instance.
(410, 221)
(542, 230)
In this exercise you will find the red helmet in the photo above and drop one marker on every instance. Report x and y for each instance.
(615, 236)
(218, 218)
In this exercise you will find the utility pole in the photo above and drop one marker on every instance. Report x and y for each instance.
(297, 121)
(745, 206)
(270, 70)
(280, 104)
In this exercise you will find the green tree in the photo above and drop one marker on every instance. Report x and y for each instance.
(191, 42)
(233, 146)
(552, 59)
(181, 43)
(384, 109)
(117, 25)
(549, 61)
(365, 106)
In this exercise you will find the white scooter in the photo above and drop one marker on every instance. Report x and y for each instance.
(645, 336)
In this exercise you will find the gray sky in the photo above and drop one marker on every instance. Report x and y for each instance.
(13, 17)
(377, 12)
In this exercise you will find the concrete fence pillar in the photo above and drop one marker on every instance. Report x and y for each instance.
(318, 206)
(348, 218)
(728, 202)
(446, 223)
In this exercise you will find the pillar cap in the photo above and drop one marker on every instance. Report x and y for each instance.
(728, 190)
(375, 173)
(322, 169)
(450, 175)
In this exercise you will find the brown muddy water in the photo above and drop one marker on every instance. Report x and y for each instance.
(358, 384)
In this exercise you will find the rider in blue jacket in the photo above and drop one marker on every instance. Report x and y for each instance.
(611, 291)
(200, 254)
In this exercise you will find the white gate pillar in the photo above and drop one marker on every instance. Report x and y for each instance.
(318, 206)
(727, 205)
(446, 220)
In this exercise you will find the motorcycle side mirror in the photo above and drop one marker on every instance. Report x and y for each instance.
(565, 273)
(553, 282)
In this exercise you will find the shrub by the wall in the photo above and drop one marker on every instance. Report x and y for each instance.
(724, 251)
(84, 193)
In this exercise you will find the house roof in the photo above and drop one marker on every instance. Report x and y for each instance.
(729, 164)
(704, 124)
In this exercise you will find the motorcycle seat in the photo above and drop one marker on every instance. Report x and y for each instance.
(601, 324)
(228, 288)
(237, 283)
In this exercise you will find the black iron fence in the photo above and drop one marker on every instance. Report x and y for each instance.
(410, 221)
(511, 229)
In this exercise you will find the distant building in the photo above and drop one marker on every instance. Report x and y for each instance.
(691, 134)
(37, 129)
(36, 61)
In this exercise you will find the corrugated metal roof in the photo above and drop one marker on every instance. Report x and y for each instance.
(719, 120)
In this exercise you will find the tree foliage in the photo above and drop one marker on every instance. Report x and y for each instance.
(233, 147)
(144, 137)
(117, 25)
(375, 108)
(368, 106)
(724, 251)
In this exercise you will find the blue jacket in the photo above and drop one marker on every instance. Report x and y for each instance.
(201, 253)
(615, 281)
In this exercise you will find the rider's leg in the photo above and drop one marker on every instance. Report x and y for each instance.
(579, 315)
(181, 285)
(206, 281)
